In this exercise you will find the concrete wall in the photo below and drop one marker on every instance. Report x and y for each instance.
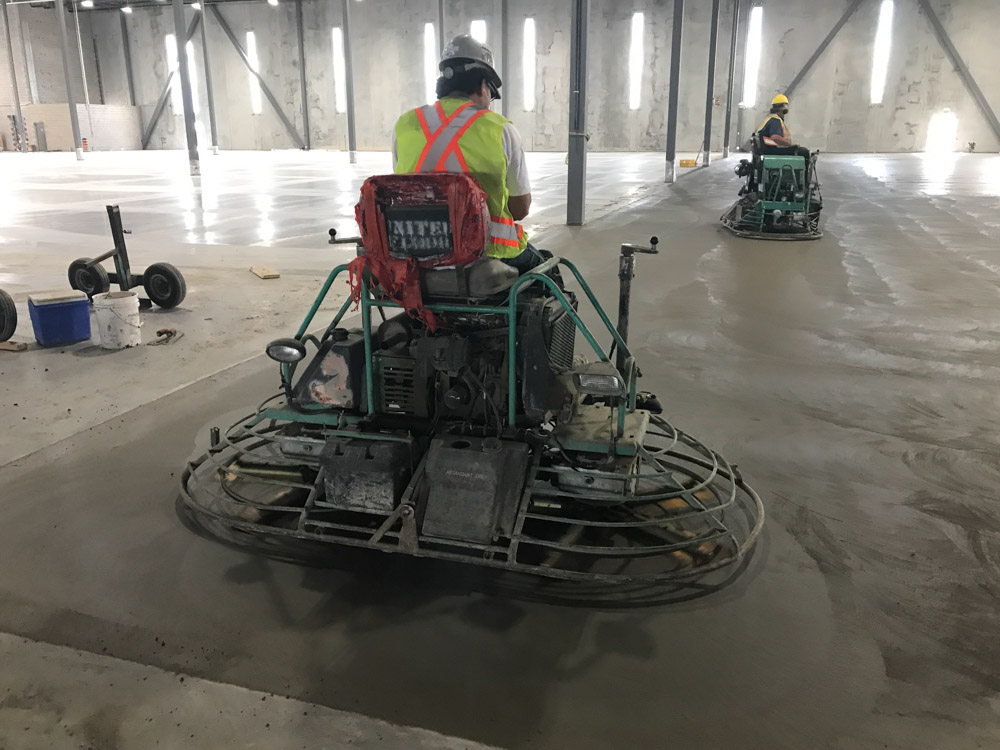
(831, 109)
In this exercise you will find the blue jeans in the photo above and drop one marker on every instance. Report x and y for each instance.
(528, 259)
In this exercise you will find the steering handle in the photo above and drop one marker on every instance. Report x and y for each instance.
(629, 249)
(343, 240)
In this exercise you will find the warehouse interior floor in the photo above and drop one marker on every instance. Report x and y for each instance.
(853, 379)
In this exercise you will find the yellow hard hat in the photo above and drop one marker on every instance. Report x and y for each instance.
(779, 99)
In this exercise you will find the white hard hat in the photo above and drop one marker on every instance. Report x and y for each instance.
(464, 53)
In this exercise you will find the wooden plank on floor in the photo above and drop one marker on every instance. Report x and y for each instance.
(264, 272)
(12, 346)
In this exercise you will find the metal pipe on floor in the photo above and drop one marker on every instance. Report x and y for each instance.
(300, 27)
(23, 144)
(673, 98)
(265, 90)
(962, 69)
(213, 125)
(83, 73)
(352, 138)
(576, 188)
(74, 120)
(713, 49)
(187, 99)
(128, 60)
(732, 79)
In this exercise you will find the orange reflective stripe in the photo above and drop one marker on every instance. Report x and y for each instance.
(428, 138)
(440, 111)
(520, 232)
(505, 242)
(502, 220)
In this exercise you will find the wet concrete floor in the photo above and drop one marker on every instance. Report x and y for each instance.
(853, 379)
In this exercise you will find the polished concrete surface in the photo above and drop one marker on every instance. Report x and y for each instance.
(853, 379)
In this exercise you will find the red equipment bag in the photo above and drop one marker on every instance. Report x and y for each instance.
(413, 221)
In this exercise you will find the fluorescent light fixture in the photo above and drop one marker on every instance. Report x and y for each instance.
(477, 29)
(339, 71)
(255, 102)
(87, 4)
(752, 62)
(430, 62)
(635, 62)
(942, 132)
(127, 9)
(883, 45)
(530, 53)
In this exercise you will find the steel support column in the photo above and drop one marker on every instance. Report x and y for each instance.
(713, 49)
(186, 98)
(576, 188)
(161, 103)
(962, 69)
(83, 73)
(673, 97)
(128, 60)
(504, 37)
(732, 79)
(352, 137)
(213, 125)
(822, 47)
(263, 86)
(74, 120)
(300, 27)
(23, 145)
(441, 37)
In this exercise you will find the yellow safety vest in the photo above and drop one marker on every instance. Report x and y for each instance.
(455, 135)
(784, 130)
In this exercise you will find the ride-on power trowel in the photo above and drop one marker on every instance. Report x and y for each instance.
(458, 423)
(780, 198)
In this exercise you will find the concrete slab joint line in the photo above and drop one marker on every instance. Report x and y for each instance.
(299, 143)
(962, 69)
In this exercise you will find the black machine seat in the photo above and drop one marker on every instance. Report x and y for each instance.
(480, 279)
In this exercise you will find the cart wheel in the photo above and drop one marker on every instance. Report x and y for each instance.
(8, 316)
(89, 280)
(164, 285)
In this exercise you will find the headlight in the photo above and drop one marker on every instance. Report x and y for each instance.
(599, 379)
(286, 351)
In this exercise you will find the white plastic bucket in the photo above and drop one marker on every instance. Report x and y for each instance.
(118, 319)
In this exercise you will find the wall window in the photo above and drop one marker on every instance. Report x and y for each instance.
(752, 61)
(478, 30)
(430, 62)
(883, 45)
(530, 55)
(255, 102)
(942, 132)
(635, 62)
(339, 71)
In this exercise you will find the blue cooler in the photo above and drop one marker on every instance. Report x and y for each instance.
(60, 318)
